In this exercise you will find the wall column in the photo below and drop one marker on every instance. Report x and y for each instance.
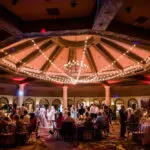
(65, 97)
(107, 95)
(20, 95)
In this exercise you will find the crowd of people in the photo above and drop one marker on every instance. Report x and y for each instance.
(130, 119)
(82, 117)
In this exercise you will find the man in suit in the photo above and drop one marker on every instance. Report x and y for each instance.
(123, 117)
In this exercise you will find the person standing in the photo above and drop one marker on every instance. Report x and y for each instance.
(42, 117)
(51, 117)
(123, 117)
(81, 110)
(73, 112)
(92, 110)
(22, 109)
(26, 117)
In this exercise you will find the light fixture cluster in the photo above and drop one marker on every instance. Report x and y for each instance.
(73, 66)
(103, 75)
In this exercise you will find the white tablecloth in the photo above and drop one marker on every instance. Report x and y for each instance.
(145, 128)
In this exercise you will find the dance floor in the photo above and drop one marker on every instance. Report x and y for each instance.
(113, 142)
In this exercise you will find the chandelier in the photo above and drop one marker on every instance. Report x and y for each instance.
(74, 67)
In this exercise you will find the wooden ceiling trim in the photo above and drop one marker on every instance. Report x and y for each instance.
(142, 46)
(52, 57)
(35, 53)
(91, 60)
(107, 55)
(105, 83)
(122, 50)
(18, 48)
(72, 54)
(69, 43)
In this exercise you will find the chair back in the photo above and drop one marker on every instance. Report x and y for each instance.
(67, 129)
(133, 127)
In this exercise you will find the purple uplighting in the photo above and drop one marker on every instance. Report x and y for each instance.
(136, 42)
(116, 96)
(12, 49)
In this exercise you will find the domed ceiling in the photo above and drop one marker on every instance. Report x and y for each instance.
(76, 59)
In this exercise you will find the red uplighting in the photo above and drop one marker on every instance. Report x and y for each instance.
(43, 30)
(146, 82)
(18, 79)
(148, 77)
(113, 81)
(24, 83)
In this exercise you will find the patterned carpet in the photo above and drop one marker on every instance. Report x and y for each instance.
(113, 142)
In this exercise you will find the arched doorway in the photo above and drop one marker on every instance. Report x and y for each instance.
(3, 102)
(81, 102)
(132, 101)
(70, 103)
(96, 101)
(91, 101)
(118, 103)
(56, 103)
(15, 100)
(44, 102)
(102, 102)
(29, 103)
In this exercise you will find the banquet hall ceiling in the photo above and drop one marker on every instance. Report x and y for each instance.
(118, 34)
(52, 9)
(53, 15)
(136, 13)
(98, 58)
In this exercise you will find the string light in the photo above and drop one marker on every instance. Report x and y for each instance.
(50, 60)
(24, 70)
(110, 65)
(102, 75)
(82, 59)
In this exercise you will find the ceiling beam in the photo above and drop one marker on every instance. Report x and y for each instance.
(52, 57)
(9, 41)
(107, 11)
(35, 53)
(107, 55)
(91, 60)
(16, 49)
(72, 54)
(122, 50)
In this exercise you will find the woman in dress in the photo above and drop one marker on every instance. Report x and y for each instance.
(42, 117)
(51, 115)
(48, 114)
